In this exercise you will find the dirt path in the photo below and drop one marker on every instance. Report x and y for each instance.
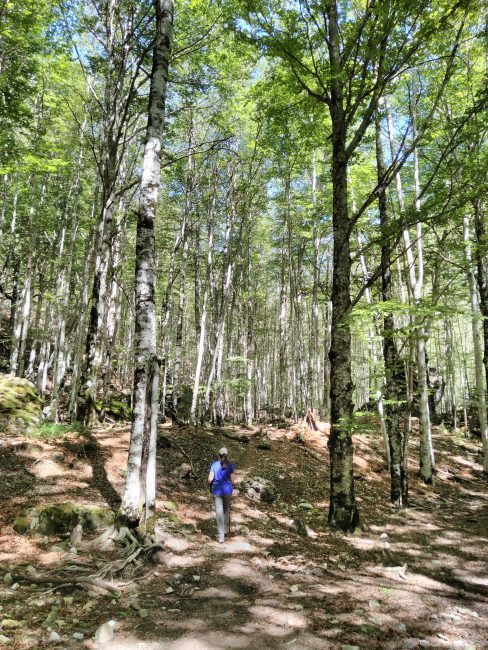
(416, 578)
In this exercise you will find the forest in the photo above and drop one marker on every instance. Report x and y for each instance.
(258, 226)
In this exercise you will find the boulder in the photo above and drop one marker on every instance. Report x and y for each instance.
(19, 399)
(258, 489)
(61, 518)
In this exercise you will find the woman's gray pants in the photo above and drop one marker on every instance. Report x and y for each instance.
(222, 506)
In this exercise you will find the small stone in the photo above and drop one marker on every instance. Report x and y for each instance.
(143, 613)
(374, 604)
(294, 588)
(442, 636)
(54, 637)
(60, 623)
(7, 578)
(324, 566)
(196, 578)
(469, 646)
(383, 536)
(350, 647)
(409, 644)
(79, 636)
(168, 590)
(341, 567)
(73, 550)
(93, 594)
(174, 609)
(244, 530)
(104, 633)
(358, 612)
(298, 608)
(401, 627)
(15, 586)
(305, 506)
(424, 643)
(4, 640)
(468, 612)
(56, 549)
(68, 600)
(10, 624)
(169, 505)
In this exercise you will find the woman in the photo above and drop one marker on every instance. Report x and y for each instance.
(221, 480)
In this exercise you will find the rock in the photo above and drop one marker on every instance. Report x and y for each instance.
(169, 590)
(264, 444)
(8, 579)
(196, 578)
(383, 536)
(184, 471)
(73, 550)
(22, 525)
(169, 505)
(19, 400)
(54, 637)
(11, 624)
(374, 604)
(294, 588)
(424, 643)
(299, 527)
(401, 628)
(63, 518)
(305, 506)
(104, 633)
(350, 647)
(4, 640)
(370, 629)
(358, 612)
(143, 613)
(469, 646)
(467, 612)
(78, 636)
(244, 530)
(258, 489)
(409, 644)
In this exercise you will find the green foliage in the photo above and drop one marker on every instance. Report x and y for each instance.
(51, 431)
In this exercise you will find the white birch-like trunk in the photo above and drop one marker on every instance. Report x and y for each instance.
(415, 285)
(139, 500)
(477, 344)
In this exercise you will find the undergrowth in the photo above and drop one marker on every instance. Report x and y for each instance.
(52, 430)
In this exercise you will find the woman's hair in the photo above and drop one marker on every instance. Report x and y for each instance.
(224, 456)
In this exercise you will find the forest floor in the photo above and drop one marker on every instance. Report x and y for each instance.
(411, 578)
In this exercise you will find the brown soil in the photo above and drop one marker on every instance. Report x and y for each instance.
(411, 578)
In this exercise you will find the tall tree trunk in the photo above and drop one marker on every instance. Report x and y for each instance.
(140, 489)
(394, 375)
(477, 347)
(415, 285)
(343, 511)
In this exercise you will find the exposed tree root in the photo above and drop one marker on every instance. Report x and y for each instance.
(66, 581)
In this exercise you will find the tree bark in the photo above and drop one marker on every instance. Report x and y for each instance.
(343, 512)
(139, 498)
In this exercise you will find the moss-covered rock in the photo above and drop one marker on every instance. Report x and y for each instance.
(19, 399)
(115, 409)
(22, 525)
(61, 518)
